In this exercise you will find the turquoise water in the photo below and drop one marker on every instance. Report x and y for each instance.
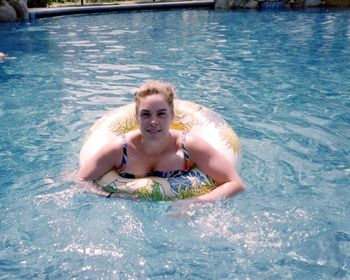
(280, 79)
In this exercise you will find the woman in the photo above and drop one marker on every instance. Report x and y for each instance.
(157, 150)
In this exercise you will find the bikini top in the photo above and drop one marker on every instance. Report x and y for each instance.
(164, 174)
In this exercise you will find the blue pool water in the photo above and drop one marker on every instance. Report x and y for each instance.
(280, 79)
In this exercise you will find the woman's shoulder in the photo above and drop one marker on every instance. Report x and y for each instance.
(120, 141)
(197, 145)
(185, 137)
(179, 136)
(131, 138)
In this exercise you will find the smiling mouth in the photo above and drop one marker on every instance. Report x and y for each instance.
(153, 131)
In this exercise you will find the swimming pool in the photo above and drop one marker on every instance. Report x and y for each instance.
(280, 79)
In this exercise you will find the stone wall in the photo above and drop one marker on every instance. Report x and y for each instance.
(12, 10)
(338, 3)
(287, 4)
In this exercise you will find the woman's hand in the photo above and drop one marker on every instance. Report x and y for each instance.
(186, 207)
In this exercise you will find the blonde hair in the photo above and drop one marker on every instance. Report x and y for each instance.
(155, 87)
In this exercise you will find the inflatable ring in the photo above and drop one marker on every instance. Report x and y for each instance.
(191, 117)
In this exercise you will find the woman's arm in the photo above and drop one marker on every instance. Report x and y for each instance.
(216, 166)
(103, 161)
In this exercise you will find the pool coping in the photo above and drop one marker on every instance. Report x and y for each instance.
(35, 13)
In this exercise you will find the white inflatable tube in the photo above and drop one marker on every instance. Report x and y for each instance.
(195, 119)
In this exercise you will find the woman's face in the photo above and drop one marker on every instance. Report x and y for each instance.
(154, 116)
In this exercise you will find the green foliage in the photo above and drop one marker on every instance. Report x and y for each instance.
(184, 194)
(39, 3)
(154, 194)
(110, 189)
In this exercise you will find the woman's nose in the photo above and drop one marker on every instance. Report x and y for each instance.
(154, 121)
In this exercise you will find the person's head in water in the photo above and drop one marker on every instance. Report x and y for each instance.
(155, 87)
(155, 109)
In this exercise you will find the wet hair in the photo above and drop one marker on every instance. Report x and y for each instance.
(155, 87)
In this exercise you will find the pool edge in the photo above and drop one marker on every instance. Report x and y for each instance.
(35, 13)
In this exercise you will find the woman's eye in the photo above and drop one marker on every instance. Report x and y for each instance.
(163, 113)
(145, 115)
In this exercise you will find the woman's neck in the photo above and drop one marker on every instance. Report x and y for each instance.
(155, 147)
